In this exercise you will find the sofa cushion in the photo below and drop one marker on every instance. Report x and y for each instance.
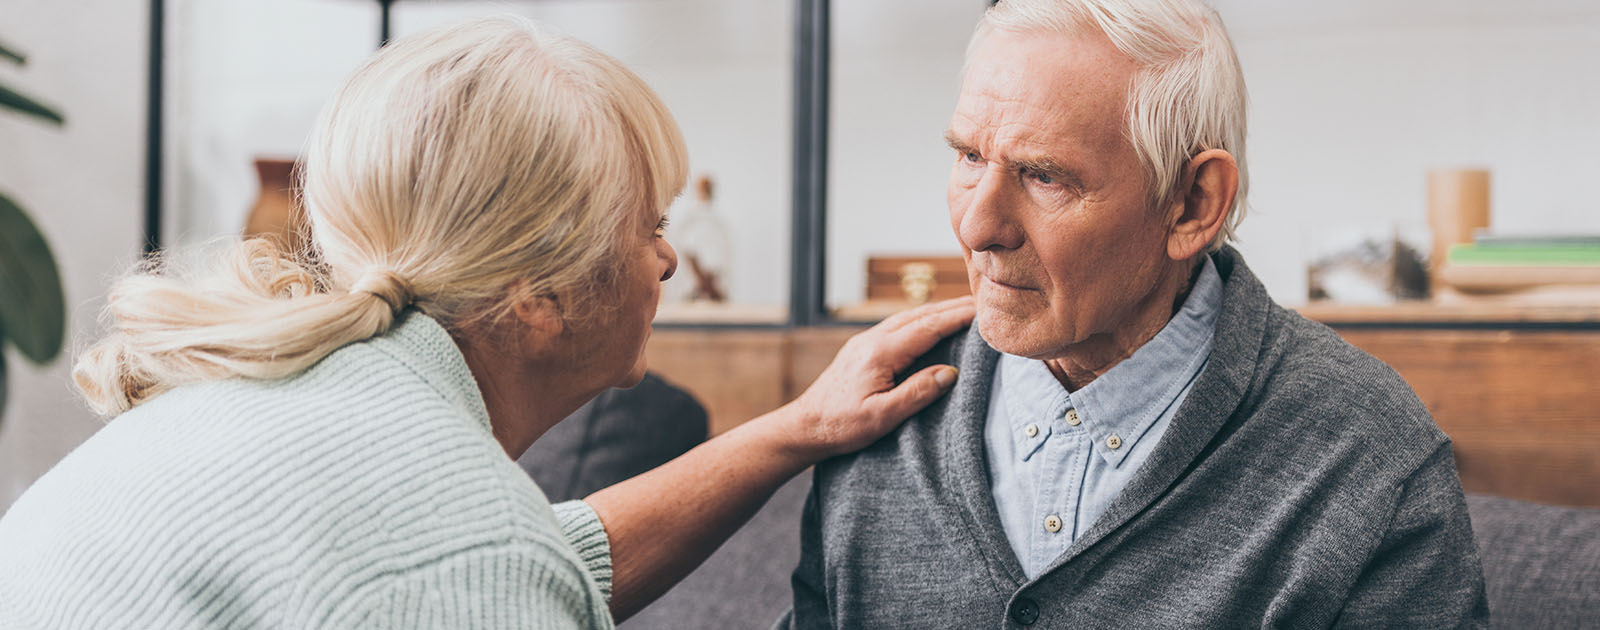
(619, 434)
(745, 584)
(1541, 563)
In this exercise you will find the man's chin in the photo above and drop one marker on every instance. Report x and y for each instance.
(1012, 336)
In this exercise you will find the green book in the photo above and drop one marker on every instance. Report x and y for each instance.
(1482, 237)
(1554, 255)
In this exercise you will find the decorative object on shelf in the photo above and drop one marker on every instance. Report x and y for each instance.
(918, 281)
(705, 249)
(1458, 206)
(277, 213)
(903, 278)
(1473, 264)
(1554, 269)
(1370, 270)
(896, 283)
(33, 314)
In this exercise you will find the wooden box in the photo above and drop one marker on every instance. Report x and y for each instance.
(890, 277)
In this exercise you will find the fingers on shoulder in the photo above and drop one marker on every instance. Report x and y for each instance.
(918, 334)
(920, 389)
(937, 314)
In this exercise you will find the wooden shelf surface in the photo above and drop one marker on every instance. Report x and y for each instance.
(1333, 314)
(713, 313)
(1446, 313)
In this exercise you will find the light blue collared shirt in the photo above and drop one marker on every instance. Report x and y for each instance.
(1057, 460)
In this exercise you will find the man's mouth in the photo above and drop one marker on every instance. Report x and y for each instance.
(999, 278)
(1013, 285)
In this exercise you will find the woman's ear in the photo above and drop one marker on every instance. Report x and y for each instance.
(1209, 183)
(541, 314)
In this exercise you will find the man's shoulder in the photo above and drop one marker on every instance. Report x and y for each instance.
(1302, 378)
(1340, 390)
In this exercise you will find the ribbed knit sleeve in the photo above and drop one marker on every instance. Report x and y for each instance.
(583, 529)
(511, 586)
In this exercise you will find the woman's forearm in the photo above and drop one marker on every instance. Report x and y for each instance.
(664, 523)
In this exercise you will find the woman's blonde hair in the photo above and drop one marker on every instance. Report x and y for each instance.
(459, 170)
(1188, 95)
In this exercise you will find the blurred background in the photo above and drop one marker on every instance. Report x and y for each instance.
(818, 200)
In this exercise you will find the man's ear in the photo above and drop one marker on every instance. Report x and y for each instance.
(1209, 183)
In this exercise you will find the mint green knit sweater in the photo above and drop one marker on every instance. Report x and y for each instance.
(366, 492)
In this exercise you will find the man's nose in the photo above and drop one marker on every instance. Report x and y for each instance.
(987, 222)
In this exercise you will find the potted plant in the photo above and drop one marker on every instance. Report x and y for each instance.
(32, 310)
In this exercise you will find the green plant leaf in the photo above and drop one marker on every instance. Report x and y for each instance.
(2, 380)
(32, 311)
(12, 55)
(13, 100)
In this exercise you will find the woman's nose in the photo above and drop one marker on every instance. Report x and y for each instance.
(669, 256)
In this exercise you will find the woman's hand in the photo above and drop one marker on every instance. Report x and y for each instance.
(663, 523)
(856, 400)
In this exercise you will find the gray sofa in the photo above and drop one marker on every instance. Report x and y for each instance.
(1541, 563)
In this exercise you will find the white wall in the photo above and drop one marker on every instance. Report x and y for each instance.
(1352, 103)
(82, 185)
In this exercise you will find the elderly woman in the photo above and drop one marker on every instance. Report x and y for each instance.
(331, 444)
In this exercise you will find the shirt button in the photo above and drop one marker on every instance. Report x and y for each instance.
(1025, 611)
(1114, 442)
(1072, 417)
(1052, 523)
(1032, 430)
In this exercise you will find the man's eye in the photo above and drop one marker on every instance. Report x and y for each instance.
(973, 157)
(1044, 178)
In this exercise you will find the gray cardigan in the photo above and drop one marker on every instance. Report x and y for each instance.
(1301, 485)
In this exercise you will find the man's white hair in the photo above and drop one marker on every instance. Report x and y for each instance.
(1188, 95)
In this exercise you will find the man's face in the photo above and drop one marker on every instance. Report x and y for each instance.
(1048, 197)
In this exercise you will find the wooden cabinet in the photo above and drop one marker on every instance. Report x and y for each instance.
(1517, 389)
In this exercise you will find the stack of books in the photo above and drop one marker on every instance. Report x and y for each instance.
(1554, 269)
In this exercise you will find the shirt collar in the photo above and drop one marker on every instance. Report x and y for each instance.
(1031, 396)
(1128, 398)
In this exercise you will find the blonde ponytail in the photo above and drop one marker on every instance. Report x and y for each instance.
(459, 170)
(261, 314)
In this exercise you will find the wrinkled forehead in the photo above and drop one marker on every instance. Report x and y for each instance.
(1042, 88)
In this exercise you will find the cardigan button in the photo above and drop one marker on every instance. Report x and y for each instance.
(1025, 611)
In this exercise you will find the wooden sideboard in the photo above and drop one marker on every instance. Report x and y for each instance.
(1517, 389)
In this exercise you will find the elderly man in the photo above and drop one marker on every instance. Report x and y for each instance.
(1141, 437)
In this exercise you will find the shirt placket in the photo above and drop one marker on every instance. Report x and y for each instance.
(1060, 483)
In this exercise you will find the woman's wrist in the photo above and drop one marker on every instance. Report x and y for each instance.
(789, 436)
